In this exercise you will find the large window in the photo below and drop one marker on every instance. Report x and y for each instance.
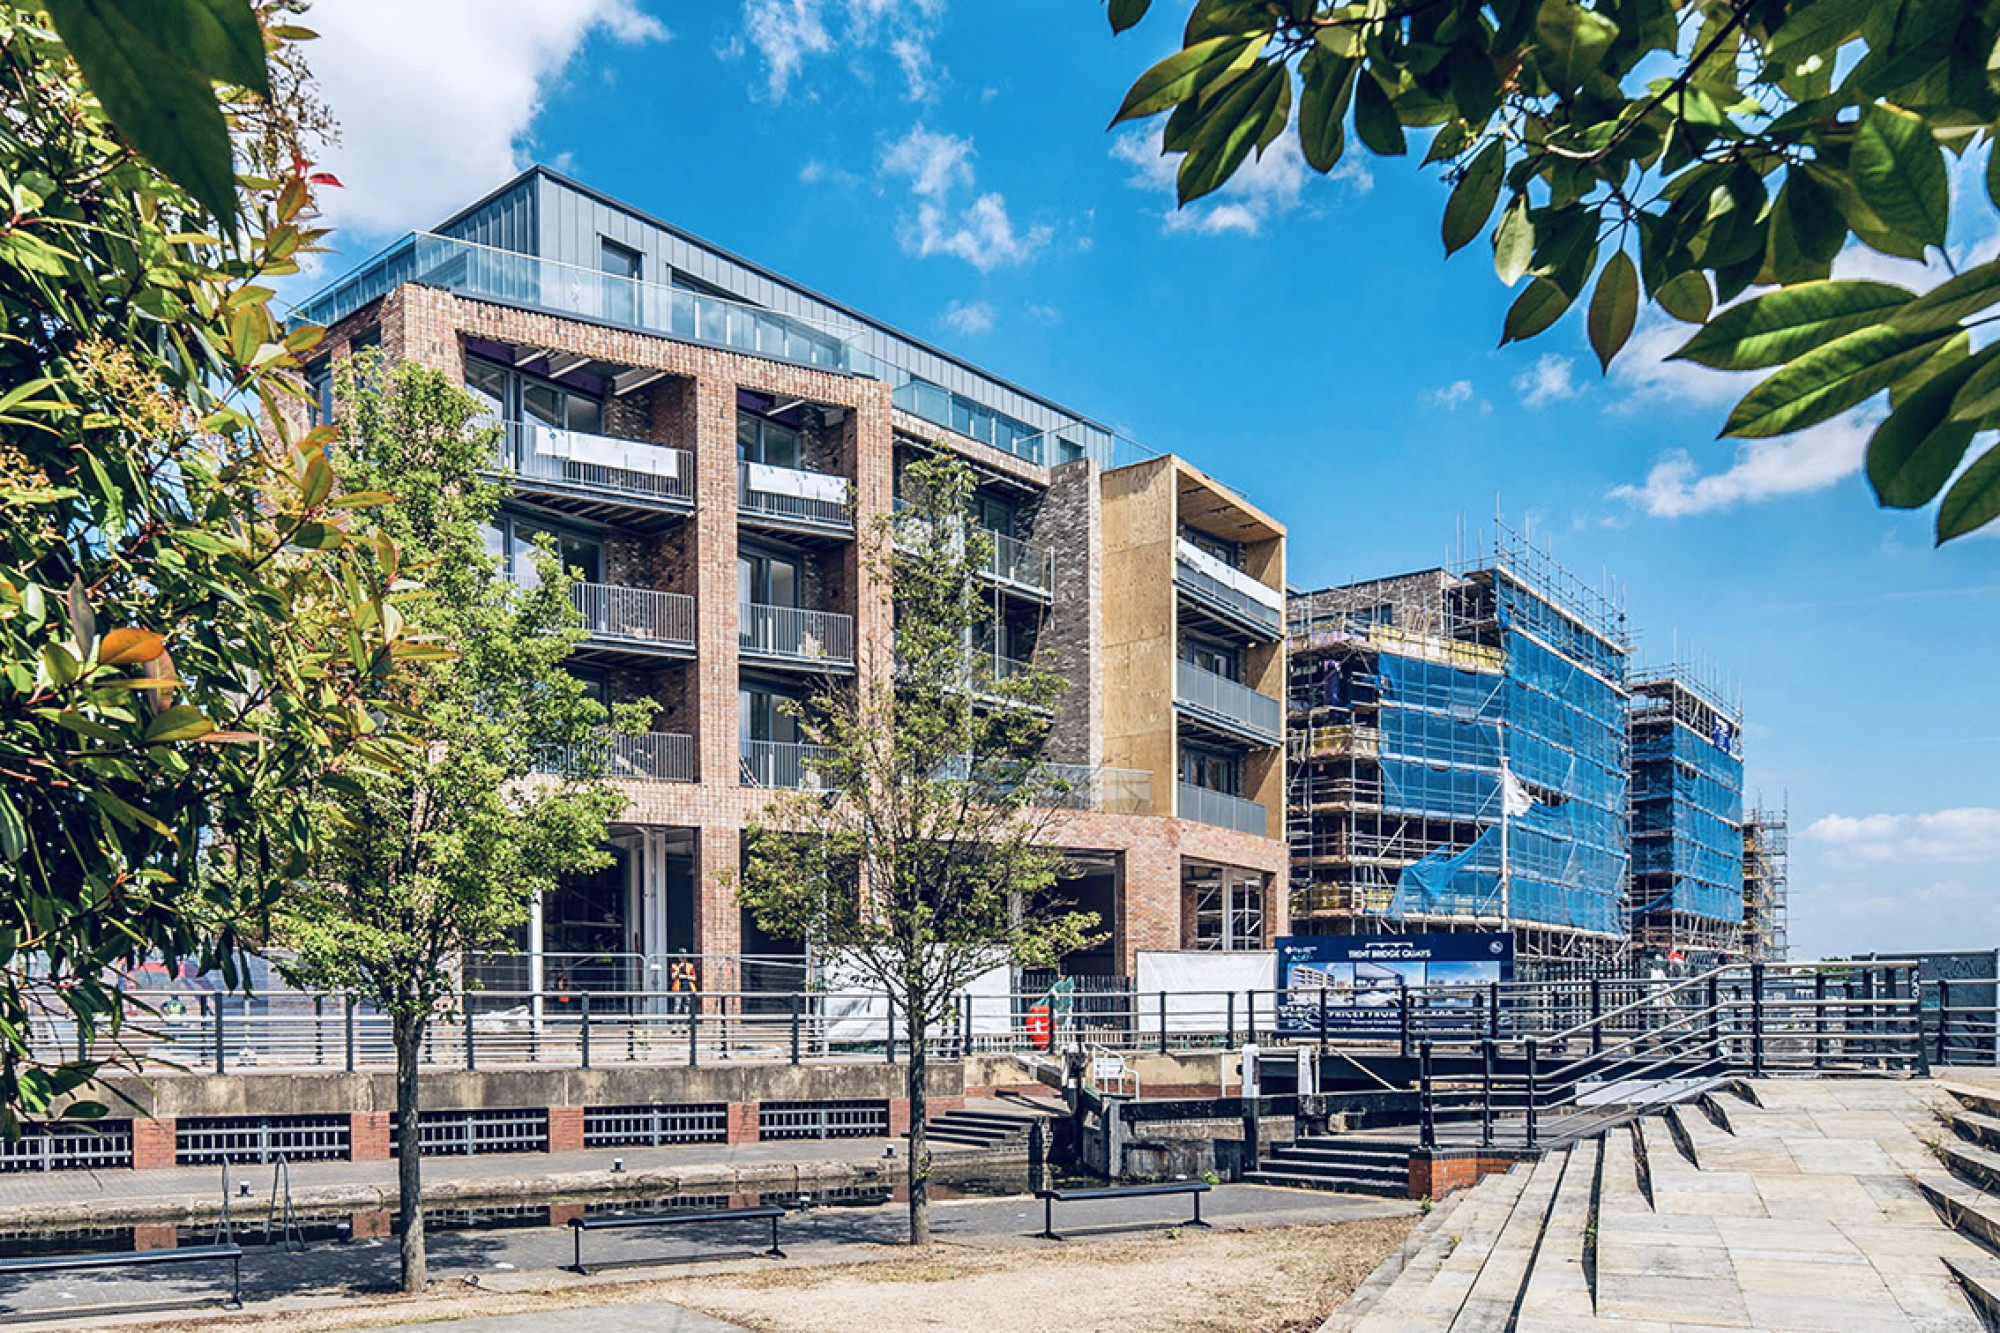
(1219, 658)
(760, 440)
(512, 541)
(764, 714)
(1228, 907)
(993, 514)
(767, 578)
(1229, 553)
(1211, 770)
(621, 263)
(509, 395)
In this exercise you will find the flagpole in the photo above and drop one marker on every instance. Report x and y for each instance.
(1506, 799)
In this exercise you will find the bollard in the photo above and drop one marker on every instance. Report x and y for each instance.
(583, 1032)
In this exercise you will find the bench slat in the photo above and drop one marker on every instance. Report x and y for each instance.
(55, 1263)
(670, 1219)
(1127, 1191)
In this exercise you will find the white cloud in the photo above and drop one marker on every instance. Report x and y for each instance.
(1262, 190)
(1451, 397)
(968, 319)
(1551, 379)
(978, 230)
(1965, 835)
(1812, 460)
(1044, 313)
(787, 34)
(437, 99)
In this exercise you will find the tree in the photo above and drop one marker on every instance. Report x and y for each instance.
(923, 859)
(1697, 149)
(445, 854)
(186, 631)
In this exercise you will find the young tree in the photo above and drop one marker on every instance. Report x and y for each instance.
(923, 859)
(185, 631)
(1697, 148)
(445, 854)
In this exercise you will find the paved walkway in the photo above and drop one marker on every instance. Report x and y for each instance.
(1794, 1209)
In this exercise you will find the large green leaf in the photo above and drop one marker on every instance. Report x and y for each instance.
(1328, 83)
(1178, 76)
(1125, 13)
(1973, 500)
(1574, 41)
(153, 64)
(1230, 129)
(1375, 120)
(1614, 306)
(1772, 329)
(1913, 453)
(1806, 229)
(1686, 297)
(1978, 398)
(1817, 29)
(1899, 172)
(1951, 300)
(1471, 203)
(1827, 381)
(1514, 242)
(1541, 304)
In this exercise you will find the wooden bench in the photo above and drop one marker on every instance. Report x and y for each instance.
(190, 1254)
(1050, 1198)
(763, 1212)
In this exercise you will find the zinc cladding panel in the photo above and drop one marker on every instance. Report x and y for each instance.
(573, 222)
(505, 222)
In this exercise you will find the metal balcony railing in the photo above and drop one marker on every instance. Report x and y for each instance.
(1117, 791)
(792, 634)
(640, 617)
(794, 496)
(657, 756)
(1225, 811)
(1228, 703)
(537, 456)
(1010, 560)
(787, 764)
(1261, 609)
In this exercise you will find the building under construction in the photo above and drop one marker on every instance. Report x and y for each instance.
(1765, 850)
(1687, 890)
(1459, 756)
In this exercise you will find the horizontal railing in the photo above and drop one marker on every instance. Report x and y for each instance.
(1228, 702)
(1233, 602)
(1529, 1059)
(1224, 810)
(1117, 791)
(794, 634)
(656, 756)
(645, 616)
(1008, 559)
(653, 474)
(781, 764)
(794, 496)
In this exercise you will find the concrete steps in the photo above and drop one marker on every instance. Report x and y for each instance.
(1349, 1165)
(1558, 1291)
(979, 1128)
(1429, 1302)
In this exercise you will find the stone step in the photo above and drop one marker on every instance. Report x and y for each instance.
(1558, 1292)
(1972, 1213)
(1489, 1306)
(1986, 1101)
(1977, 1166)
(1389, 1189)
(1980, 1277)
(1410, 1268)
(1977, 1127)
(1365, 1169)
(1620, 1190)
(1427, 1298)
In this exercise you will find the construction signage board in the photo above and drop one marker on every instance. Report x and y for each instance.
(1360, 979)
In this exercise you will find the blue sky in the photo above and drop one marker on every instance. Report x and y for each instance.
(945, 166)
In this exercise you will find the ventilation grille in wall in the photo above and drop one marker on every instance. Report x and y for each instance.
(467, 1133)
(103, 1143)
(652, 1126)
(823, 1120)
(257, 1139)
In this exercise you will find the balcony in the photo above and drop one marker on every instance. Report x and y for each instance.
(1114, 791)
(1014, 564)
(636, 621)
(1224, 705)
(618, 481)
(781, 764)
(1223, 810)
(658, 756)
(1228, 596)
(792, 499)
(791, 636)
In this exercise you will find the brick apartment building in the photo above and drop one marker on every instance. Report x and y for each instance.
(707, 442)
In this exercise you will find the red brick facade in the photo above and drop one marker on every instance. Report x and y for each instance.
(368, 1136)
(744, 1126)
(1436, 1174)
(152, 1145)
(565, 1129)
(694, 407)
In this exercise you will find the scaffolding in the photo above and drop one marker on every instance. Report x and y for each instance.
(1458, 755)
(1765, 852)
(1686, 896)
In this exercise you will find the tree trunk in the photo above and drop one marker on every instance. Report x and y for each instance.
(409, 1038)
(920, 1136)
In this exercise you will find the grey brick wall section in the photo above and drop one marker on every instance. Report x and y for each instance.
(1070, 522)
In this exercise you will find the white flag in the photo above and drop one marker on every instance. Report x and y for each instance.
(1514, 798)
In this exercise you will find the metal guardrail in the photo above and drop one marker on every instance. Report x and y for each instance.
(655, 756)
(537, 455)
(1220, 597)
(1228, 702)
(793, 634)
(781, 764)
(1010, 559)
(642, 617)
(1224, 810)
(809, 510)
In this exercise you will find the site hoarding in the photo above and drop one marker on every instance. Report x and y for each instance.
(1359, 980)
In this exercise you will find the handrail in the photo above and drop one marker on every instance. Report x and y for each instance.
(1609, 1014)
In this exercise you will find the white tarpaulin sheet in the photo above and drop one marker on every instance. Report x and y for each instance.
(797, 483)
(1202, 987)
(856, 1009)
(1230, 576)
(625, 455)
